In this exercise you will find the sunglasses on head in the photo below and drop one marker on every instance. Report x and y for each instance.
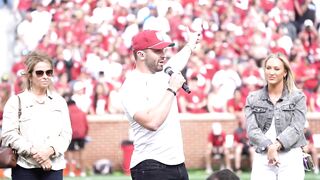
(40, 73)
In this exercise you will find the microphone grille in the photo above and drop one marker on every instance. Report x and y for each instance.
(167, 69)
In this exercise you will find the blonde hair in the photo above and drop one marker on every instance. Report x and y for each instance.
(32, 59)
(289, 80)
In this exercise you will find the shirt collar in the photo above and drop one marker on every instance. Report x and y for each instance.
(49, 94)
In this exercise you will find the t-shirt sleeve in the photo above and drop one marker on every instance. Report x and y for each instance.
(132, 100)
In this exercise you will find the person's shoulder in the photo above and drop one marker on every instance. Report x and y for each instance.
(56, 96)
(23, 93)
(13, 97)
(295, 95)
(297, 92)
(132, 74)
(131, 77)
(23, 96)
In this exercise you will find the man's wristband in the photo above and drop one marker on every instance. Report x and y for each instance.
(173, 92)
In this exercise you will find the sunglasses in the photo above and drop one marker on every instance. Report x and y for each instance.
(40, 73)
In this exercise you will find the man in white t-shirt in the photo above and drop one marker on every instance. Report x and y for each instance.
(150, 104)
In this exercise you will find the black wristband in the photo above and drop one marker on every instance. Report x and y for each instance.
(174, 93)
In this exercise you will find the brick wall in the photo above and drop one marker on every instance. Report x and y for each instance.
(107, 133)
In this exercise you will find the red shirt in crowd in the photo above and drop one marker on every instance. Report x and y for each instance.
(79, 122)
(309, 73)
(240, 135)
(24, 5)
(309, 136)
(194, 100)
(237, 105)
(217, 140)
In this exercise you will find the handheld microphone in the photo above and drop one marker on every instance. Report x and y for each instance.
(168, 70)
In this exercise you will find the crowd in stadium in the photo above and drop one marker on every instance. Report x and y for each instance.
(90, 42)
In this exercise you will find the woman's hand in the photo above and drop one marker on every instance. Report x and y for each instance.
(46, 165)
(273, 156)
(42, 155)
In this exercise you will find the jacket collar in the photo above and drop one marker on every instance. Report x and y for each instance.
(265, 94)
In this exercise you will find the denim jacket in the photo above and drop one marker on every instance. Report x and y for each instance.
(289, 114)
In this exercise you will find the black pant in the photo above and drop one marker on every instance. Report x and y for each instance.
(152, 169)
(20, 173)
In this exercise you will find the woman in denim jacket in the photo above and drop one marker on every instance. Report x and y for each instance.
(276, 115)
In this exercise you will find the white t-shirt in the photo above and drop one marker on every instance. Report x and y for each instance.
(165, 145)
(272, 133)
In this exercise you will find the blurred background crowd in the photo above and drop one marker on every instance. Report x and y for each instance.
(90, 42)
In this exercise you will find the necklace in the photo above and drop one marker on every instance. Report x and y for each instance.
(39, 100)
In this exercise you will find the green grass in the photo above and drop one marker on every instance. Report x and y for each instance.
(193, 175)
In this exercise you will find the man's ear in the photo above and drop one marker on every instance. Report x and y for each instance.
(141, 54)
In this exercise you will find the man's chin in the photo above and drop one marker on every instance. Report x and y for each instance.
(160, 68)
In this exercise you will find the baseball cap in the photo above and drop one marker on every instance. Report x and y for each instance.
(216, 128)
(307, 23)
(149, 39)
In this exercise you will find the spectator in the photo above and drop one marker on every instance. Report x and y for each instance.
(114, 102)
(216, 103)
(309, 38)
(304, 9)
(251, 75)
(315, 100)
(79, 96)
(155, 22)
(80, 129)
(310, 148)
(236, 104)
(288, 25)
(4, 96)
(62, 85)
(225, 174)
(100, 99)
(241, 144)
(226, 80)
(307, 73)
(196, 101)
(217, 147)
(241, 141)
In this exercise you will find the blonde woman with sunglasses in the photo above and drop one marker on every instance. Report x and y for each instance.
(276, 115)
(43, 132)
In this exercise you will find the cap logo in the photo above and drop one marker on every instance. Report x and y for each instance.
(150, 39)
